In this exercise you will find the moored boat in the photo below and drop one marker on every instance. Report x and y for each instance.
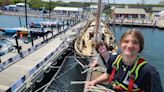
(14, 30)
(5, 46)
(84, 45)
(46, 24)
(94, 31)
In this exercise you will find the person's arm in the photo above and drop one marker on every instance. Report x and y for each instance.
(151, 80)
(95, 61)
(102, 78)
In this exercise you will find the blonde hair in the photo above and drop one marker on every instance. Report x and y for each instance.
(135, 33)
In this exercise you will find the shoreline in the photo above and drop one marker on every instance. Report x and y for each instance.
(35, 14)
(125, 22)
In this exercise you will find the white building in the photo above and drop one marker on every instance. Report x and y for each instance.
(161, 14)
(21, 6)
(129, 13)
(87, 1)
(67, 10)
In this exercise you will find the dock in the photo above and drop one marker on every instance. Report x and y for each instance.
(21, 68)
(139, 23)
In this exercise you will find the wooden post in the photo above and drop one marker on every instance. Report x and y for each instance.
(63, 25)
(58, 28)
(17, 44)
(122, 21)
(132, 23)
(31, 36)
(26, 13)
(142, 23)
(98, 19)
(154, 24)
(20, 22)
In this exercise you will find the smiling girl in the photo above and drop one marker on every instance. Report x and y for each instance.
(128, 71)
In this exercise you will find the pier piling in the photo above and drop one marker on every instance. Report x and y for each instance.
(17, 44)
(20, 22)
(31, 37)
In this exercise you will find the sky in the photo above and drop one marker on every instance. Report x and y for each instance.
(116, 1)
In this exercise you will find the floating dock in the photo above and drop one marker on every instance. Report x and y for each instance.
(19, 71)
(140, 23)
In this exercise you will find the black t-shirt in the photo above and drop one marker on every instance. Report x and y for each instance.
(148, 78)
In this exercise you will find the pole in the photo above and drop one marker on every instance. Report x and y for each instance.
(98, 19)
(20, 21)
(63, 25)
(26, 13)
(17, 44)
(31, 36)
(0, 59)
(50, 9)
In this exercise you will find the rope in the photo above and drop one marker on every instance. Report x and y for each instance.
(99, 88)
(67, 70)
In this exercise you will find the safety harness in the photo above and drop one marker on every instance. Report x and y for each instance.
(133, 75)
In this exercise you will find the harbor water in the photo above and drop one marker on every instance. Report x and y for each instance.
(7, 21)
(153, 49)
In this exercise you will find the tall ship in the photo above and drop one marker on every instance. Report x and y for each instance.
(75, 71)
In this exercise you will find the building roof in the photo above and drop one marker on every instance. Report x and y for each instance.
(22, 4)
(10, 6)
(161, 13)
(129, 11)
(157, 9)
(67, 9)
(93, 6)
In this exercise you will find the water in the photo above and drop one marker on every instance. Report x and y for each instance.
(14, 21)
(153, 49)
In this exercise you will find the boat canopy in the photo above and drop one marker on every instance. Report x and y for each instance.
(68, 9)
(161, 13)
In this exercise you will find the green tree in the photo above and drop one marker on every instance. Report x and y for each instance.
(161, 2)
(4, 2)
(35, 3)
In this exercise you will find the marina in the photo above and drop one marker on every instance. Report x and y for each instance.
(139, 23)
(56, 57)
(34, 62)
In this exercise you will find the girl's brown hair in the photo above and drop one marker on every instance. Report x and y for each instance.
(135, 33)
(101, 43)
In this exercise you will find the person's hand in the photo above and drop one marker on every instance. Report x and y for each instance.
(93, 64)
(90, 84)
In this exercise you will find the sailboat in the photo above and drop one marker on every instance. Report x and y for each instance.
(95, 30)
(73, 68)
(14, 30)
(85, 46)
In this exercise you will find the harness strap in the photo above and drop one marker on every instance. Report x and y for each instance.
(133, 74)
(112, 74)
(131, 82)
(117, 87)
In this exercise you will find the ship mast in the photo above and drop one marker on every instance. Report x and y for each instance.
(98, 19)
(26, 13)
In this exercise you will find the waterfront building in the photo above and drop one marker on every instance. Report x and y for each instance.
(157, 12)
(129, 13)
(67, 10)
(21, 6)
(17, 7)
